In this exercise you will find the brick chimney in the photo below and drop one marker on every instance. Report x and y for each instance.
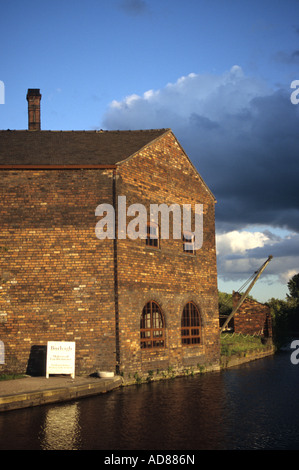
(33, 98)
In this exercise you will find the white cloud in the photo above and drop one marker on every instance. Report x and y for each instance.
(241, 253)
(243, 139)
(207, 95)
(239, 241)
(287, 275)
(241, 136)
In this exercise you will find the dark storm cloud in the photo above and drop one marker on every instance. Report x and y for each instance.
(287, 57)
(134, 7)
(286, 247)
(243, 139)
(259, 166)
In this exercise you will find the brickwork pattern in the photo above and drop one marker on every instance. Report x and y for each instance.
(59, 276)
(252, 318)
(59, 282)
(166, 275)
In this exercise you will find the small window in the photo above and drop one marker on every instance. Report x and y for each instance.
(152, 238)
(188, 242)
(152, 331)
(190, 324)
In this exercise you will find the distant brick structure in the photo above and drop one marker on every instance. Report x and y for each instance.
(34, 98)
(252, 318)
(130, 305)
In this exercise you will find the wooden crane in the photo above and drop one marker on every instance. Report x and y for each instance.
(243, 297)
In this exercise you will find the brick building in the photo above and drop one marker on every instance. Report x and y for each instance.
(252, 317)
(131, 305)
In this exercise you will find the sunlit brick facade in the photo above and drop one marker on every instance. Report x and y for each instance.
(126, 303)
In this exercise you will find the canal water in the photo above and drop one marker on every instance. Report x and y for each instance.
(253, 406)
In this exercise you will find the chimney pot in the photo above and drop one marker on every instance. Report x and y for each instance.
(33, 98)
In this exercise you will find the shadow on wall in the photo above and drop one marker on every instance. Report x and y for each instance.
(37, 361)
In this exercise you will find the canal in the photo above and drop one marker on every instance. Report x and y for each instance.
(254, 406)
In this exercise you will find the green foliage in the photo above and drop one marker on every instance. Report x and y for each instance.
(293, 286)
(279, 313)
(12, 376)
(285, 313)
(150, 375)
(225, 303)
(237, 344)
(137, 378)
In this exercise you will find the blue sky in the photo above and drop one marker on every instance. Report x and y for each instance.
(217, 72)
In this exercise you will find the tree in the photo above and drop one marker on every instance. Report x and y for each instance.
(225, 303)
(280, 321)
(293, 286)
(285, 313)
(293, 303)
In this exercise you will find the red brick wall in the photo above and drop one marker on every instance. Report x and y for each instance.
(60, 276)
(166, 275)
(252, 317)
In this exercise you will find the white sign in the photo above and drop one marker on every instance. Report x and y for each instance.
(61, 358)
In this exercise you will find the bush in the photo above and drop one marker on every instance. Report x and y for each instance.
(237, 344)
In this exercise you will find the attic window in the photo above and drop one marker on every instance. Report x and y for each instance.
(189, 243)
(152, 238)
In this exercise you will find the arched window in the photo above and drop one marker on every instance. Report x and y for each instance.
(191, 324)
(152, 328)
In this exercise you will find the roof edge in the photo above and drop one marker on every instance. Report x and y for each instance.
(57, 167)
(193, 166)
(165, 131)
(196, 170)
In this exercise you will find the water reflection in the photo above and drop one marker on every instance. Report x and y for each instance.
(254, 406)
(61, 429)
(163, 415)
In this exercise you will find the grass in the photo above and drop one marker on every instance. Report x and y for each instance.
(233, 344)
(11, 376)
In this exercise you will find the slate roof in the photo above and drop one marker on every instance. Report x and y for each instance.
(23, 147)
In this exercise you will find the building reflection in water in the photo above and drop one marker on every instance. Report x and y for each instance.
(180, 414)
(241, 408)
(61, 428)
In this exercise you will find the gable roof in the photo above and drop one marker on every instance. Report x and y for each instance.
(20, 147)
(80, 149)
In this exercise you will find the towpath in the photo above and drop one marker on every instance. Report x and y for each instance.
(33, 391)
